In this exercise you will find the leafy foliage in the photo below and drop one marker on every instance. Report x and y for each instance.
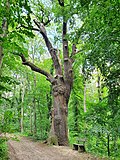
(3, 150)
(96, 32)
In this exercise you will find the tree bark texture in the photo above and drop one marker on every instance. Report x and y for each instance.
(59, 119)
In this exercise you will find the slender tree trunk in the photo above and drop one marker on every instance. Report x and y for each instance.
(31, 121)
(1, 56)
(34, 117)
(115, 140)
(28, 87)
(99, 88)
(108, 144)
(34, 99)
(21, 120)
(40, 117)
(84, 103)
(76, 113)
(4, 28)
(22, 109)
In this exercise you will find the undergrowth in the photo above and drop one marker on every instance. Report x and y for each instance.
(3, 149)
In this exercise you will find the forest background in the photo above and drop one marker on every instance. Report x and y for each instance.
(26, 96)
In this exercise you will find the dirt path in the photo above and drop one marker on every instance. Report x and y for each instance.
(26, 149)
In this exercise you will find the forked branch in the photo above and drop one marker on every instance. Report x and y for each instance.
(32, 28)
(52, 51)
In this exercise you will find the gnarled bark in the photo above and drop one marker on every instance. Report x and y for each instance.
(59, 119)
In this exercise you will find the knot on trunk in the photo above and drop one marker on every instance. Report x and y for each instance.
(58, 90)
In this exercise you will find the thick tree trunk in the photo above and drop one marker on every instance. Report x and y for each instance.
(59, 116)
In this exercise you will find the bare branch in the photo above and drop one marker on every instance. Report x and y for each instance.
(32, 28)
(45, 19)
(40, 26)
(37, 69)
(74, 50)
(52, 51)
(47, 22)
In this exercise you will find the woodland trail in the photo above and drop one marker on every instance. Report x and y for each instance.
(26, 149)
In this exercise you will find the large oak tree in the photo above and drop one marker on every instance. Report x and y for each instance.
(62, 80)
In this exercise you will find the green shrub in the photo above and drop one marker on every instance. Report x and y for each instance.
(3, 149)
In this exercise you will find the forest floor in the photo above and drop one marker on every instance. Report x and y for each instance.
(27, 149)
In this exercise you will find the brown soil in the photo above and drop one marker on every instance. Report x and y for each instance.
(26, 149)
